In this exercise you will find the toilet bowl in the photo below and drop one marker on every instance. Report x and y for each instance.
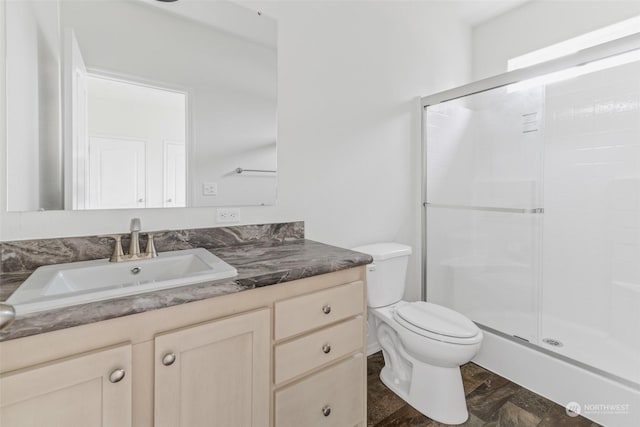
(423, 344)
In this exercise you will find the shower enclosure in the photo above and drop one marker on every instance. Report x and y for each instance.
(532, 210)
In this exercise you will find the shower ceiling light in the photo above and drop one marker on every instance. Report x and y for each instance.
(581, 70)
(575, 44)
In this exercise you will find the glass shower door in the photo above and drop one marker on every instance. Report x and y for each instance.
(563, 274)
(484, 193)
(591, 252)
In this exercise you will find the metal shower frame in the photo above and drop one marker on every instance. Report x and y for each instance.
(580, 58)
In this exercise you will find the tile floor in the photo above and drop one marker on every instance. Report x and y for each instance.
(492, 401)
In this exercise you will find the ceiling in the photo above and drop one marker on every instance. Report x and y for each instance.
(475, 12)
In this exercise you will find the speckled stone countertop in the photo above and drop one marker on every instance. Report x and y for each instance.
(258, 264)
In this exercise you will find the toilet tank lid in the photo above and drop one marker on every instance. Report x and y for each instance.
(382, 251)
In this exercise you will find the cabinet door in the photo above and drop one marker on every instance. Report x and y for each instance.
(87, 390)
(214, 374)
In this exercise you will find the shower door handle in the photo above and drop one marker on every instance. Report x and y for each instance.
(485, 208)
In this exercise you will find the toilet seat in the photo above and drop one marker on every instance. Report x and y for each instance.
(437, 322)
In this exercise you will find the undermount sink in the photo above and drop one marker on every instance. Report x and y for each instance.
(62, 285)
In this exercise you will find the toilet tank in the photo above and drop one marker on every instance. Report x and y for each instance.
(386, 276)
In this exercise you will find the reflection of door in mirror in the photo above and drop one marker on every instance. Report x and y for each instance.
(174, 175)
(117, 173)
(136, 155)
(75, 95)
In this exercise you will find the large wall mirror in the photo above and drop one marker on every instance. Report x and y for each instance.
(139, 104)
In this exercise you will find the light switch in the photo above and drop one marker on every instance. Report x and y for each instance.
(210, 189)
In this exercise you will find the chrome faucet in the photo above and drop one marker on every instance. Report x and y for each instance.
(118, 254)
(134, 245)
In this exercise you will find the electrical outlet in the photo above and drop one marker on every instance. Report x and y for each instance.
(227, 215)
(210, 189)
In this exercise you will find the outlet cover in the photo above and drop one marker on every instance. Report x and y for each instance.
(227, 215)
(210, 189)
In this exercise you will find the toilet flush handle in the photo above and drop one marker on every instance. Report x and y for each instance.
(371, 267)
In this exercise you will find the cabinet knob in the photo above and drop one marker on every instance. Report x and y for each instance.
(326, 348)
(7, 315)
(168, 359)
(326, 309)
(326, 410)
(117, 375)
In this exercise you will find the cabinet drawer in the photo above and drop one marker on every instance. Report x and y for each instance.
(306, 312)
(302, 354)
(339, 389)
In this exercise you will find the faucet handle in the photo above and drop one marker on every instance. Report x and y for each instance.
(135, 225)
(151, 247)
(118, 253)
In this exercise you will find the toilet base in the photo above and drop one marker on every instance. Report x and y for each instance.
(437, 393)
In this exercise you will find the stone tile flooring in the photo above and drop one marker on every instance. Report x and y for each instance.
(492, 401)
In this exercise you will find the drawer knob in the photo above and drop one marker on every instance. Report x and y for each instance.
(326, 348)
(117, 375)
(326, 309)
(326, 410)
(168, 359)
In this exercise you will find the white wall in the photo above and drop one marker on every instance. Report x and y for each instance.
(538, 24)
(22, 90)
(33, 90)
(349, 126)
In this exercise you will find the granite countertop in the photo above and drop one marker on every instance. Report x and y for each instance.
(258, 264)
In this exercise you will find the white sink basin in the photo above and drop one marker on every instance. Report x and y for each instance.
(62, 285)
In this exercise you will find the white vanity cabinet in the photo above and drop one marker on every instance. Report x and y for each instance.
(286, 354)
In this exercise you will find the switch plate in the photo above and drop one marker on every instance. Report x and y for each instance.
(210, 189)
(227, 215)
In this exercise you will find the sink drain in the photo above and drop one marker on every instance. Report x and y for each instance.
(552, 342)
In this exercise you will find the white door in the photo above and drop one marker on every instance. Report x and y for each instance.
(117, 173)
(75, 124)
(174, 175)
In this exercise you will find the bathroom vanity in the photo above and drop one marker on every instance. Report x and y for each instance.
(282, 344)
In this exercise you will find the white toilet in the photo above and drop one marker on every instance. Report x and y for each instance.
(423, 344)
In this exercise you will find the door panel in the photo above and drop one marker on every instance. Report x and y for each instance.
(174, 174)
(220, 375)
(117, 173)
